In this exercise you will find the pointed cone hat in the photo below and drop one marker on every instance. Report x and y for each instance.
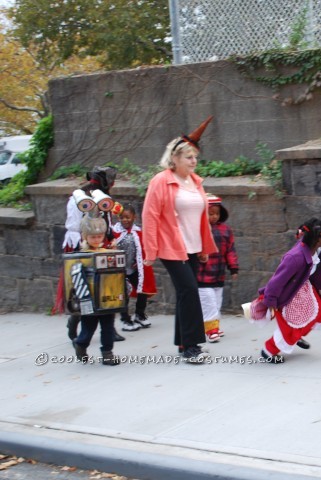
(194, 137)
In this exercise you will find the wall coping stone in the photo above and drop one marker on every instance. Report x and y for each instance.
(11, 216)
(220, 186)
(243, 185)
(53, 187)
(306, 151)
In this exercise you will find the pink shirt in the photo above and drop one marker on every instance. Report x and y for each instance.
(189, 207)
(161, 233)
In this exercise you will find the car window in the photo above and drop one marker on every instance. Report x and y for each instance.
(16, 160)
(4, 157)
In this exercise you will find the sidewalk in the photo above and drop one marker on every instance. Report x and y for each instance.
(156, 417)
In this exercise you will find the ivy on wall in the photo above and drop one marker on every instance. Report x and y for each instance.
(279, 68)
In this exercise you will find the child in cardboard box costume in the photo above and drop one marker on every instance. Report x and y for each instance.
(96, 276)
(102, 178)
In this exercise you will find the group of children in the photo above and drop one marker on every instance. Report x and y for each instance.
(88, 232)
(291, 297)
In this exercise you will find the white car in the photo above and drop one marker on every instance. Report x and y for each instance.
(10, 164)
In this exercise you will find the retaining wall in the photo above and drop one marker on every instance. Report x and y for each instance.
(133, 114)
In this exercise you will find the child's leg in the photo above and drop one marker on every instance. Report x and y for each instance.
(140, 316)
(210, 313)
(88, 328)
(124, 316)
(107, 331)
(141, 304)
(72, 325)
(219, 300)
(129, 325)
(284, 337)
(107, 339)
(80, 343)
(270, 347)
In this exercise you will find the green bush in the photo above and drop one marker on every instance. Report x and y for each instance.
(72, 170)
(240, 166)
(13, 193)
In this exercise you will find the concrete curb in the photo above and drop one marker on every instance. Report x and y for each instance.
(140, 465)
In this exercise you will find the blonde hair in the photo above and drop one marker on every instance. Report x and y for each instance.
(167, 159)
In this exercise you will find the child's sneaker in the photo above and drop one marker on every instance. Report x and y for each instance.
(221, 333)
(130, 326)
(142, 320)
(213, 336)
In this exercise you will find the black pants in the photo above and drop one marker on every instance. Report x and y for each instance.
(141, 301)
(189, 324)
(89, 324)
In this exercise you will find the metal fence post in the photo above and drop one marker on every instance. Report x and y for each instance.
(310, 25)
(176, 42)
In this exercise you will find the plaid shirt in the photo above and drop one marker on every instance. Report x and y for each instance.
(212, 273)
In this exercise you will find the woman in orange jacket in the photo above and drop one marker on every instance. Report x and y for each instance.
(176, 230)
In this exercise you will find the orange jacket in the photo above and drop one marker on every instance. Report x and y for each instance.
(161, 234)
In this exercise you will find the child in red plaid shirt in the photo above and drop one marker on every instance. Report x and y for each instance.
(211, 275)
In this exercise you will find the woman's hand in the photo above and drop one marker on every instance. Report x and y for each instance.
(148, 263)
(202, 257)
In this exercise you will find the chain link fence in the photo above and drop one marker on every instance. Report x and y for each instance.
(215, 29)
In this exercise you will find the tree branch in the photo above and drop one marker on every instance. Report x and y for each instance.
(44, 99)
(158, 48)
(22, 109)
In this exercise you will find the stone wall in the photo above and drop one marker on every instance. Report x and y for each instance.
(133, 114)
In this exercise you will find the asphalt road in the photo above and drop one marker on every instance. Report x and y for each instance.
(13, 468)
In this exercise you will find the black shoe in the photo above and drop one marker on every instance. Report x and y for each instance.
(110, 359)
(303, 344)
(72, 325)
(201, 349)
(272, 358)
(81, 352)
(117, 337)
(193, 355)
